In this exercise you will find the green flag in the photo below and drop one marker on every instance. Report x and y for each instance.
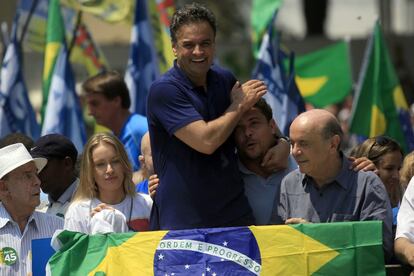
(378, 95)
(262, 12)
(55, 37)
(324, 77)
(303, 249)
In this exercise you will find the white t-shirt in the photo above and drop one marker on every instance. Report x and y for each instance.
(136, 211)
(405, 218)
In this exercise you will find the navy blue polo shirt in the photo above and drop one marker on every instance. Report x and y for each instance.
(196, 190)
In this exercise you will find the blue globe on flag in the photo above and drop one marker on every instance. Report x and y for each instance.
(205, 252)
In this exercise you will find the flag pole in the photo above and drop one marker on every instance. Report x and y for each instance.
(75, 30)
(347, 40)
(4, 38)
(29, 17)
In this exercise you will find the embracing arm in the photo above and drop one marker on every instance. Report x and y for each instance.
(206, 137)
(404, 250)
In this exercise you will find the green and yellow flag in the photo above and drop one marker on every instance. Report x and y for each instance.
(108, 10)
(55, 37)
(324, 77)
(262, 12)
(84, 52)
(161, 12)
(379, 106)
(306, 249)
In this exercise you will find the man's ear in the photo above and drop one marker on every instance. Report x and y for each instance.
(141, 160)
(335, 141)
(174, 48)
(118, 101)
(272, 125)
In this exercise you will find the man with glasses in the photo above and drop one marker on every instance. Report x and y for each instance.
(324, 188)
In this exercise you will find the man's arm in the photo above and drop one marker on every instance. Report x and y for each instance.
(277, 157)
(206, 137)
(362, 163)
(404, 250)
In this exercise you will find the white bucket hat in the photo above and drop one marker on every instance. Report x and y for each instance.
(16, 155)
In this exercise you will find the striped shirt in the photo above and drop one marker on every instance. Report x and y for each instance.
(39, 226)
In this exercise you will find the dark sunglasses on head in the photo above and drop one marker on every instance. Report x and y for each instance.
(382, 140)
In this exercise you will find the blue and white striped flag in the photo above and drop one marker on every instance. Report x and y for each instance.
(63, 112)
(283, 95)
(142, 68)
(16, 111)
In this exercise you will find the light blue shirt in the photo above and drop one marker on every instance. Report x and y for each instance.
(263, 193)
(131, 134)
(39, 226)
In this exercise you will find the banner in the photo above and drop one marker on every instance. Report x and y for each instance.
(303, 249)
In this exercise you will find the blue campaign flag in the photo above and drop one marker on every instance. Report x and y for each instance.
(142, 68)
(63, 112)
(283, 95)
(16, 111)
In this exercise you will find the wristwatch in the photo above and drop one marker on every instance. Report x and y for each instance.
(286, 138)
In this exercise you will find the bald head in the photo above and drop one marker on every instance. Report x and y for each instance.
(145, 143)
(316, 137)
(318, 121)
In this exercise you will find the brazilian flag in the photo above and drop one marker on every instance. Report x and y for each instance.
(55, 38)
(324, 76)
(379, 106)
(347, 248)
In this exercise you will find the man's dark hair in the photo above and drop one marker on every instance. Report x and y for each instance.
(191, 13)
(265, 108)
(332, 128)
(17, 137)
(110, 84)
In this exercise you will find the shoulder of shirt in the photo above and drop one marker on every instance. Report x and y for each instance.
(137, 117)
(48, 217)
(78, 204)
(142, 196)
(294, 174)
(369, 179)
(219, 69)
(293, 179)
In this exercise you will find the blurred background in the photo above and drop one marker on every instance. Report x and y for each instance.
(304, 25)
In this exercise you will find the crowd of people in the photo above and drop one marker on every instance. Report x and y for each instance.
(209, 154)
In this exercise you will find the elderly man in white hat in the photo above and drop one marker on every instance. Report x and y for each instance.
(19, 222)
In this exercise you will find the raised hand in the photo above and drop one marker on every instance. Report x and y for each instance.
(247, 94)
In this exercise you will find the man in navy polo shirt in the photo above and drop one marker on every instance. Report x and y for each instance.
(192, 111)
